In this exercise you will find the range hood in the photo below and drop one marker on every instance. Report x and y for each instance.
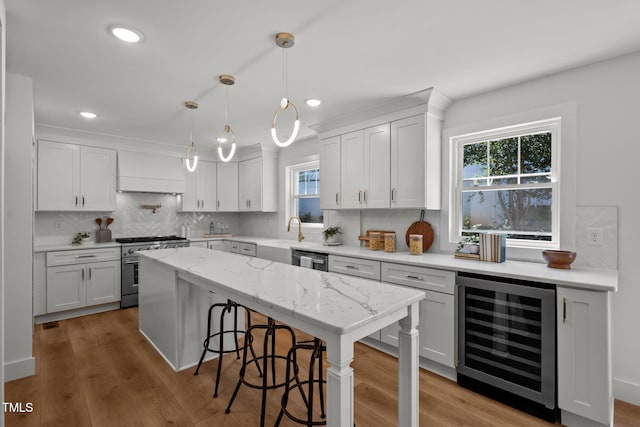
(149, 173)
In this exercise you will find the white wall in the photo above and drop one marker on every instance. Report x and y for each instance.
(606, 95)
(3, 22)
(18, 216)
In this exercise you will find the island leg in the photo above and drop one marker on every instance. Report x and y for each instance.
(339, 382)
(408, 370)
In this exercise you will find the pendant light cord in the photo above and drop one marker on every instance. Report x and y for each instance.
(284, 72)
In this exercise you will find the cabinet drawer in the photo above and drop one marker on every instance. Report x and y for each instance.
(82, 256)
(366, 268)
(419, 277)
(248, 249)
(234, 247)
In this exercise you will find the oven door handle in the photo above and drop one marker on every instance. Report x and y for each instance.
(131, 262)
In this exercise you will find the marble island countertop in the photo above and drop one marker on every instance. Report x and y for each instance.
(337, 302)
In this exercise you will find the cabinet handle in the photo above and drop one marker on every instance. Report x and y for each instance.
(203, 204)
(218, 204)
(337, 203)
(249, 203)
(415, 277)
(86, 256)
(83, 274)
(89, 273)
(564, 310)
(365, 195)
(82, 200)
(76, 200)
(393, 194)
(359, 196)
(353, 267)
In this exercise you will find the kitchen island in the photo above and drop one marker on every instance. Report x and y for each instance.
(176, 287)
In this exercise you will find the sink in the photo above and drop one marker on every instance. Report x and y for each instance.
(275, 252)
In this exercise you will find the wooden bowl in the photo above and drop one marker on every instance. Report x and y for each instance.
(559, 259)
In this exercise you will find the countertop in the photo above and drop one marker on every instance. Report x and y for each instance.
(583, 278)
(576, 277)
(337, 302)
(69, 246)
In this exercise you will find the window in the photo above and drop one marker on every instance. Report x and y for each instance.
(304, 191)
(506, 181)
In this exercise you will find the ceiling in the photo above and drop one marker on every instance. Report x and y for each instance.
(351, 54)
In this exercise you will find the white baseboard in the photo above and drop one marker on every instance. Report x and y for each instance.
(627, 391)
(19, 369)
(68, 314)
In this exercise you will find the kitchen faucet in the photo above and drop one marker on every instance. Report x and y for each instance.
(300, 235)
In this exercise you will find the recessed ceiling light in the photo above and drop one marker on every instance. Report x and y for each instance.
(313, 102)
(126, 34)
(88, 115)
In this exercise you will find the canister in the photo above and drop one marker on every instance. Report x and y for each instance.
(375, 241)
(389, 242)
(415, 244)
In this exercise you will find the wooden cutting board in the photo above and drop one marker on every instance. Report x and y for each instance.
(366, 236)
(424, 228)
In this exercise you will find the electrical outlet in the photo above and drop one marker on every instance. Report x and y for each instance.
(594, 236)
(58, 225)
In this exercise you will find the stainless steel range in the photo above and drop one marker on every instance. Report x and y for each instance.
(130, 245)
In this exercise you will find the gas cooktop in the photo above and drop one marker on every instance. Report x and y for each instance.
(145, 239)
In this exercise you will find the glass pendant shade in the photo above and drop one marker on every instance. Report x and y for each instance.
(285, 104)
(222, 139)
(191, 150)
(191, 160)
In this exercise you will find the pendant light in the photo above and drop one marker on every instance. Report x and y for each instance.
(285, 41)
(191, 148)
(227, 134)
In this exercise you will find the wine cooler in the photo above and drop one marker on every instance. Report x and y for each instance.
(507, 341)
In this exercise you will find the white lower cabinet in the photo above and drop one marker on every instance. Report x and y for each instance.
(437, 310)
(202, 244)
(215, 244)
(73, 282)
(584, 356)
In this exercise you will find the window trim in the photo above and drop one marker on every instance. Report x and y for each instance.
(290, 172)
(457, 143)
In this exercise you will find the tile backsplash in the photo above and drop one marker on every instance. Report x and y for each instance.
(130, 219)
(355, 223)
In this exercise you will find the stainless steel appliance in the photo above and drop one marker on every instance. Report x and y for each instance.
(318, 261)
(129, 270)
(507, 341)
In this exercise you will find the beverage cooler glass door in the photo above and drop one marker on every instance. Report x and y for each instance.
(506, 336)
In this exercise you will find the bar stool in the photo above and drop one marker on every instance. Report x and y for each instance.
(268, 355)
(226, 308)
(313, 382)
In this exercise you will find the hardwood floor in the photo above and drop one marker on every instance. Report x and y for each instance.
(99, 371)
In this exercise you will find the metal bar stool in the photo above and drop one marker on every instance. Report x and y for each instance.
(268, 355)
(315, 380)
(226, 308)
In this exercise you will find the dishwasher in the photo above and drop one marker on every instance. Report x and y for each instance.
(315, 260)
(507, 341)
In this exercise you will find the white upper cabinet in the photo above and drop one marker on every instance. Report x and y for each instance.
(415, 163)
(389, 155)
(257, 184)
(351, 169)
(227, 187)
(200, 191)
(376, 167)
(365, 168)
(73, 177)
(330, 173)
